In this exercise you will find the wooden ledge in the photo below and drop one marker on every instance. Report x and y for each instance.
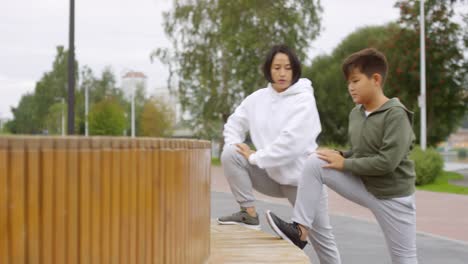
(237, 244)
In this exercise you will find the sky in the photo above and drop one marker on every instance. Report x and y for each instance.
(123, 33)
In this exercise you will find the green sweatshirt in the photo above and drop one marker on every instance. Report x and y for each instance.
(380, 145)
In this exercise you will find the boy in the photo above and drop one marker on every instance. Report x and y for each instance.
(376, 173)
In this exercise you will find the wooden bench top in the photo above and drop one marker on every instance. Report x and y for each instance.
(237, 244)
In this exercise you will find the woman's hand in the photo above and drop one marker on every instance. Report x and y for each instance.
(244, 150)
(333, 157)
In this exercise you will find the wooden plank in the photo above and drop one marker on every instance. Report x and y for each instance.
(106, 163)
(72, 201)
(4, 215)
(148, 204)
(207, 195)
(115, 200)
(133, 180)
(237, 244)
(96, 201)
(141, 203)
(85, 201)
(33, 200)
(125, 207)
(158, 207)
(17, 202)
(48, 207)
(60, 213)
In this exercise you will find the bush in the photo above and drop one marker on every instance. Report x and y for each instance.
(428, 165)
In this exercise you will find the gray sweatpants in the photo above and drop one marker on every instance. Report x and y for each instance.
(396, 216)
(243, 178)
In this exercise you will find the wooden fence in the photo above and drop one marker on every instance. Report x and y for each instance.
(104, 200)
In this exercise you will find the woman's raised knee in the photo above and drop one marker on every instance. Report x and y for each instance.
(229, 152)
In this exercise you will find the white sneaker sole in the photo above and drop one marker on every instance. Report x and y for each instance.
(254, 227)
(275, 228)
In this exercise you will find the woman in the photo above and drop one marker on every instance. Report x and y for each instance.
(283, 122)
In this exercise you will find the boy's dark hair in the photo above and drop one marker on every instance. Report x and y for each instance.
(368, 61)
(295, 64)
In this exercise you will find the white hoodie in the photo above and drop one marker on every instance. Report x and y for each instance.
(283, 127)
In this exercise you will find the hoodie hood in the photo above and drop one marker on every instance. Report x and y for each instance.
(303, 85)
(393, 102)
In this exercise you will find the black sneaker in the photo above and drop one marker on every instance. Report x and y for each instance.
(241, 218)
(288, 231)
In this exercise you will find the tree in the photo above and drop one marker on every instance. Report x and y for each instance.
(53, 120)
(219, 46)
(31, 114)
(446, 71)
(107, 118)
(51, 86)
(156, 120)
(445, 66)
(25, 116)
(99, 89)
(330, 88)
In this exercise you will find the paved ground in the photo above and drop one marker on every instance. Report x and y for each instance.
(442, 223)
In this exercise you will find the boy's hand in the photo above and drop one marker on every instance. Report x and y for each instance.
(244, 150)
(333, 157)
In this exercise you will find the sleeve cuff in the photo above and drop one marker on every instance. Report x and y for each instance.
(253, 159)
(348, 165)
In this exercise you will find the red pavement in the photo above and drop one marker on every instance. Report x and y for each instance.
(439, 214)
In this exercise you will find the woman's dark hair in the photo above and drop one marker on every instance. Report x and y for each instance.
(295, 64)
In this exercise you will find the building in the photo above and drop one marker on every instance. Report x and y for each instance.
(131, 81)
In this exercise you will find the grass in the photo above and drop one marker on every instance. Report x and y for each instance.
(215, 162)
(441, 184)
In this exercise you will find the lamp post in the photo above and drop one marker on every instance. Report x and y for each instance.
(133, 112)
(422, 96)
(86, 110)
(71, 71)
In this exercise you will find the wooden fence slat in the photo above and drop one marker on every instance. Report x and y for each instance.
(17, 202)
(106, 163)
(115, 201)
(96, 201)
(125, 200)
(85, 200)
(33, 185)
(72, 201)
(4, 189)
(47, 200)
(60, 212)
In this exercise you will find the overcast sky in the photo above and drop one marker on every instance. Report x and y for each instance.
(122, 34)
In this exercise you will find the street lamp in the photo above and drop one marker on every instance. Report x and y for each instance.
(422, 96)
(133, 112)
(86, 110)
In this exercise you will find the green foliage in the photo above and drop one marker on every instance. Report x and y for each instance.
(333, 101)
(442, 184)
(215, 161)
(428, 165)
(31, 115)
(157, 119)
(219, 46)
(53, 120)
(446, 69)
(25, 116)
(107, 118)
(99, 89)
